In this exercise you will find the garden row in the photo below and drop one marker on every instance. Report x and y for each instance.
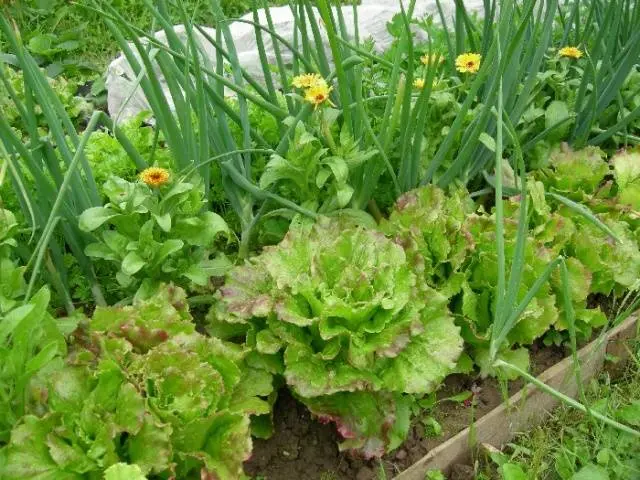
(359, 321)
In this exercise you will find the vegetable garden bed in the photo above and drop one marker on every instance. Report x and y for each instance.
(303, 446)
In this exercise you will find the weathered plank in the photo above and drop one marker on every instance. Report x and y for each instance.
(528, 407)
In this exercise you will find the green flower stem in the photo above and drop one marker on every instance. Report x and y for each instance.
(566, 399)
(326, 132)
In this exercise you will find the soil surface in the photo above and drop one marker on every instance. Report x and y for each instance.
(304, 449)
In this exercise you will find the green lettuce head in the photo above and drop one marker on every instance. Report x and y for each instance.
(341, 309)
(143, 387)
(429, 224)
(479, 301)
(576, 173)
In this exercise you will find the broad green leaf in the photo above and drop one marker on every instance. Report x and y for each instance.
(557, 112)
(626, 168)
(95, 217)
(27, 454)
(163, 221)
(591, 472)
(132, 263)
(150, 448)
(513, 471)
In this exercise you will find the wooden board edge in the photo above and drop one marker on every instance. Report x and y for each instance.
(528, 407)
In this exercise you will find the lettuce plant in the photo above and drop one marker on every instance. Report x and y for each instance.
(430, 225)
(31, 340)
(142, 387)
(156, 235)
(584, 176)
(351, 325)
(577, 172)
(108, 158)
(478, 301)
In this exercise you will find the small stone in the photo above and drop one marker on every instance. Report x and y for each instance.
(401, 455)
(291, 452)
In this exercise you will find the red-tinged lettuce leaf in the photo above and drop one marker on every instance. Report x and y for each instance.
(245, 294)
(149, 322)
(429, 224)
(180, 386)
(427, 359)
(180, 406)
(370, 423)
(344, 309)
(310, 375)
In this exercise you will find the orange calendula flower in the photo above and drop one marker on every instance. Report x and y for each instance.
(468, 62)
(570, 52)
(433, 59)
(308, 80)
(155, 176)
(318, 94)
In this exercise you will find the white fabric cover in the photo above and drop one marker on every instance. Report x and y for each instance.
(126, 98)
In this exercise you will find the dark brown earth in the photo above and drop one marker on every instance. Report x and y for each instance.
(303, 449)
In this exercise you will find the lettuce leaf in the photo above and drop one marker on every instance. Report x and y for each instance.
(626, 169)
(369, 422)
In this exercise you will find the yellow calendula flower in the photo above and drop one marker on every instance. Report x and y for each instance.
(308, 80)
(468, 62)
(433, 59)
(155, 176)
(570, 52)
(318, 94)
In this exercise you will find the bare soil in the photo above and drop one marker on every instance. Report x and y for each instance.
(304, 449)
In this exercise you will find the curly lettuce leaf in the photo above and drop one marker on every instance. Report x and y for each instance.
(626, 169)
(615, 266)
(478, 300)
(577, 172)
(148, 322)
(179, 406)
(429, 224)
(370, 423)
